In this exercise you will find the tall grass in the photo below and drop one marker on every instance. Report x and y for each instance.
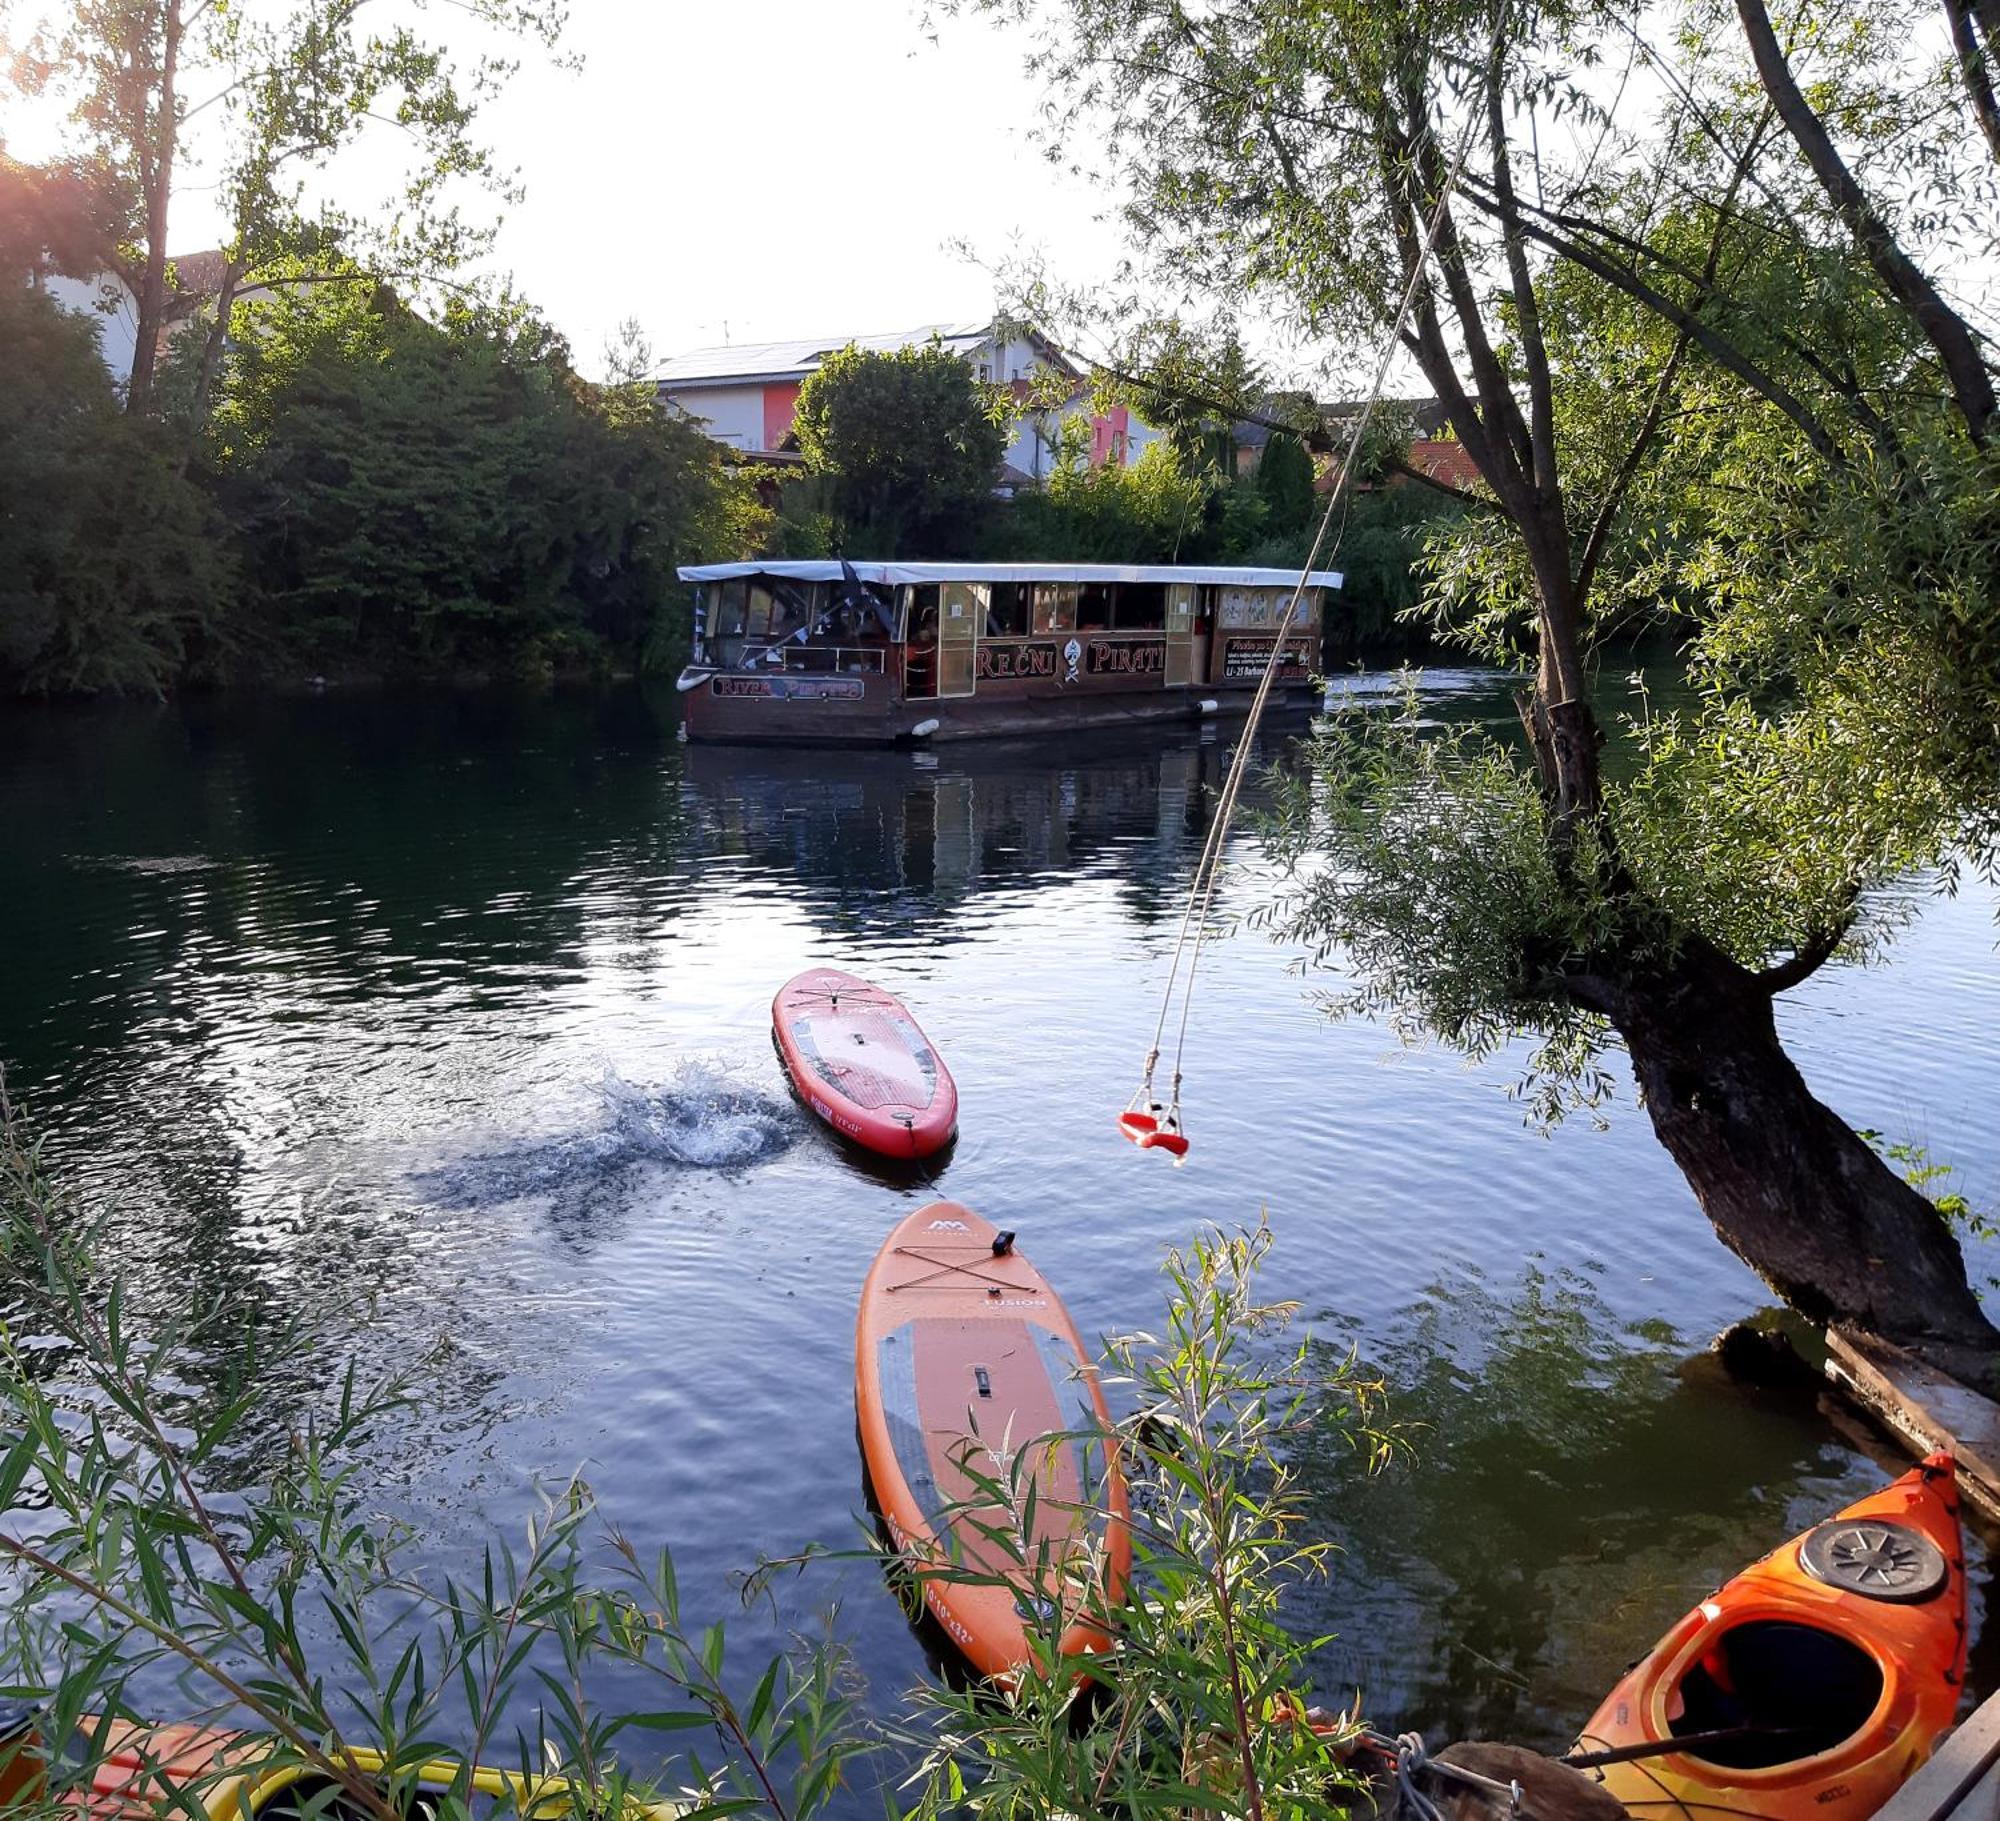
(158, 1564)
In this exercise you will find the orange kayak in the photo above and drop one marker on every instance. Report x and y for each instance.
(1816, 1681)
(966, 1368)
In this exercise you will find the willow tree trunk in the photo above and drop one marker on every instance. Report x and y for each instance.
(1791, 1189)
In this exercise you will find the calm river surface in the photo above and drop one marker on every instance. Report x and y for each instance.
(451, 1013)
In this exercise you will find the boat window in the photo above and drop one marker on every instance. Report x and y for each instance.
(1141, 607)
(724, 636)
(1093, 606)
(1011, 612)
(1055, 607)
(1244, 607)
(1788, 1690)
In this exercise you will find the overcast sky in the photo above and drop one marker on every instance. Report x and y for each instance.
(748, 170)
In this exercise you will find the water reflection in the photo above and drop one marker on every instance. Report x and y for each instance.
(1573, 1484)
(891, 839)
(443, 1023)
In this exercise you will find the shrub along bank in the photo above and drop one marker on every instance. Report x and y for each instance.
(373, 493)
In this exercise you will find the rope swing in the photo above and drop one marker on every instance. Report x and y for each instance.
(1148, 1122)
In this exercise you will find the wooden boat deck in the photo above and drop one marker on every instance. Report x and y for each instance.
(1962, 1782)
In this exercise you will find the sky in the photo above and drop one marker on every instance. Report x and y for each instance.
(749, 170)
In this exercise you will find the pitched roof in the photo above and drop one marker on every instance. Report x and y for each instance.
(795, 359)
(1445, 461)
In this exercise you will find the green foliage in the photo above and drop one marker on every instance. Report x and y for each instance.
(1285, 478)
(452, 496)
(1147, 511)
(153, 1550)
(159, 1546)
(910, 444)
(1419, 866)
(267, 97)
(111, 574)
(803, 524)
(62, 218)
(1203, 1704)
(1192, 383)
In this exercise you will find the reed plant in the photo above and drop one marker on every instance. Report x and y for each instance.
(1204, 1704)
(163, 1559)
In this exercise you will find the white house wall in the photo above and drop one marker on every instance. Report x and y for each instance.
(117, 330)
(732, 414)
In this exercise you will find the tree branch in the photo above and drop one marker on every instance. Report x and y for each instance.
(1805, 961)
(1398, 465)
(1943, 327)
(1975, 67)
(1726, 354)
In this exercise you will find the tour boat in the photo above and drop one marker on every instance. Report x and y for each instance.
(881, 653)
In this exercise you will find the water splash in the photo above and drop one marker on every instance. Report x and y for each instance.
(702, 1120)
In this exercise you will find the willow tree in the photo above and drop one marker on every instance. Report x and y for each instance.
(264, 96)
(1676, 382)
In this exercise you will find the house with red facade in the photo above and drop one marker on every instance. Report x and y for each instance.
(744, 394)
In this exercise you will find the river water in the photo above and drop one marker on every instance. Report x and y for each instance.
(445, 1019)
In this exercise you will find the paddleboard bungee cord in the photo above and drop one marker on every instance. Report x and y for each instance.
(1148, 1122)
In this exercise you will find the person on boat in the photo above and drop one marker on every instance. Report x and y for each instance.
(920, 662)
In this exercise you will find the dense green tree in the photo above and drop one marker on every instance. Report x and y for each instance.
(112, 576)
(1285, 478)
(910, 443)
(268, 95)
(1148, 511)
(1673, 288)
(56, 219)
(451, 496)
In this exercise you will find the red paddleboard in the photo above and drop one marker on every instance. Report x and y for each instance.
(857, 1058)
(966, 1363)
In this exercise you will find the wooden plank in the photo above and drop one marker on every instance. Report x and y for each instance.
(1927, 1409)
(1963, 1779)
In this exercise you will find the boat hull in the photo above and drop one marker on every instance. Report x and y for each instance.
(1905, 1649)
(787, 710)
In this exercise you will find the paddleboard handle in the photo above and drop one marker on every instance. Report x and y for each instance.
(1003, 1243)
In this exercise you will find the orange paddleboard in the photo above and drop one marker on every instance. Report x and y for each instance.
(967, 1366)
(1812, 1684)
(857, 1058)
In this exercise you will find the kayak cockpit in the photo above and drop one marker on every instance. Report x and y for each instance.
(1773, 1691)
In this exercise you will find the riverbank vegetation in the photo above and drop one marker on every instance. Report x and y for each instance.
(371, 492)
(173, 1552)
(900, 450)
(1693, 332)
(333, 453)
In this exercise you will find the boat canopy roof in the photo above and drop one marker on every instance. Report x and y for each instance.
(891, 574)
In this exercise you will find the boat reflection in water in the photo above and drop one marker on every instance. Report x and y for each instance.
(889, 836)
